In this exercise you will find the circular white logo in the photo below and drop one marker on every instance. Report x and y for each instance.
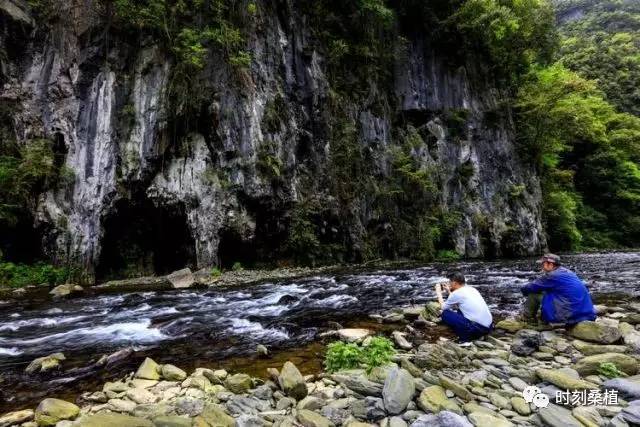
(533, 394)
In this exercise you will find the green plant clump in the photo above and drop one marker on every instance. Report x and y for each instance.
(215, 272)
(447, 255)
(377, 351)
(610, 370)
(21, 275)
(341, 356)
(237, 266)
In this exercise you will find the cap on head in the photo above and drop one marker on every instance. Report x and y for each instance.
(552, 258)
(457, 277)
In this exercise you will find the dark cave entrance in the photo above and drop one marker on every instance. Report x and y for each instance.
(141, 238)
(234, 248)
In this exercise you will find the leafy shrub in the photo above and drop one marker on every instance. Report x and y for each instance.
(341, 355)
(215, 272)
(610, 370)
(447, 255)
(20, 275)
(237, 266)
(378, 351)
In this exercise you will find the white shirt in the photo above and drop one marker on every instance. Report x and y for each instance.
(471, 305)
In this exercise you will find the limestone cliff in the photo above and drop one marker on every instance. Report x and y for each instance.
(230, 183)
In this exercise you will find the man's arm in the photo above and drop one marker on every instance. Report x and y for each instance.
(444, 305)
(541, 284)
(439, 294)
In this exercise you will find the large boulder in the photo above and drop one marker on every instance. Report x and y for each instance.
(588, 415)
(589, 365)
(520, 405)
(65, 290)
(526, 342)
(292, 382)
(564, 381)
(141, 396)
(401, 341)
(111, 419)
(214, 415)
(482, 419)
(557, 416)
(434, 399)
(173, 373)
(589, 349)
(457, 388)
(510, 325)
(358, 382)
(398, 391)
(442, 419)
(50, 411)
(239, 383)
(370, 408)
(46, 363)
(596, 332)
(431, 311)
(630, 336)
(353, 334)
(149, 370)
(311, 419)
(181, 278)
(15, 418)
(171, 421)
(631, 414)
(628, 387)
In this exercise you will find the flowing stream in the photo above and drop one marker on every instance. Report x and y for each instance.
(213, 327)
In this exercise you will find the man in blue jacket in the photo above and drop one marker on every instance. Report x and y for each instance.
(563, 297)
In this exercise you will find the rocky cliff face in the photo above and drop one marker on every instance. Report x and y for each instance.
(227, 184)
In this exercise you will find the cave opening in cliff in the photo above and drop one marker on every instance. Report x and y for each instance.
(233, 249)
(141, 238)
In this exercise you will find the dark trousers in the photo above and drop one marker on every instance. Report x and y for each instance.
(532, 308)
(465, 329)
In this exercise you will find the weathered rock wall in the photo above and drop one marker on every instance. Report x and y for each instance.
(105, 98)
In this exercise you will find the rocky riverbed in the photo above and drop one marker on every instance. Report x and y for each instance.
(429, 384)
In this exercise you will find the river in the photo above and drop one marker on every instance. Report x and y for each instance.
(216, 326)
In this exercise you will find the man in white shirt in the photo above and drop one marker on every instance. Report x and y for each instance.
(464, 311)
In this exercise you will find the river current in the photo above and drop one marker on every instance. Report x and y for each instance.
(202, 327)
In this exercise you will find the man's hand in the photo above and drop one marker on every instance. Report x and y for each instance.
(439, 294)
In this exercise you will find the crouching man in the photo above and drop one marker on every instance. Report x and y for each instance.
(464, 311)
(559, 295)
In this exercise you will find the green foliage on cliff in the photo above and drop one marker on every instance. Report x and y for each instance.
(587, 156)
(25, 172)
(601, 41)
(21, 275)
(187, 26)
(514, 33)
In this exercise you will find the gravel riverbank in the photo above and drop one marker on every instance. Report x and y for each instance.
(429, 384)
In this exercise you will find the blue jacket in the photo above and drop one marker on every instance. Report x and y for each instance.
(566, 298)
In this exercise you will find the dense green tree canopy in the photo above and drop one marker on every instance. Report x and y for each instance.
(601, 41)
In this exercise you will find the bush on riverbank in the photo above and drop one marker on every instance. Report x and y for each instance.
(21, 275)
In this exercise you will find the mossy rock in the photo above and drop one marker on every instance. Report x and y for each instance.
(50, 411)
